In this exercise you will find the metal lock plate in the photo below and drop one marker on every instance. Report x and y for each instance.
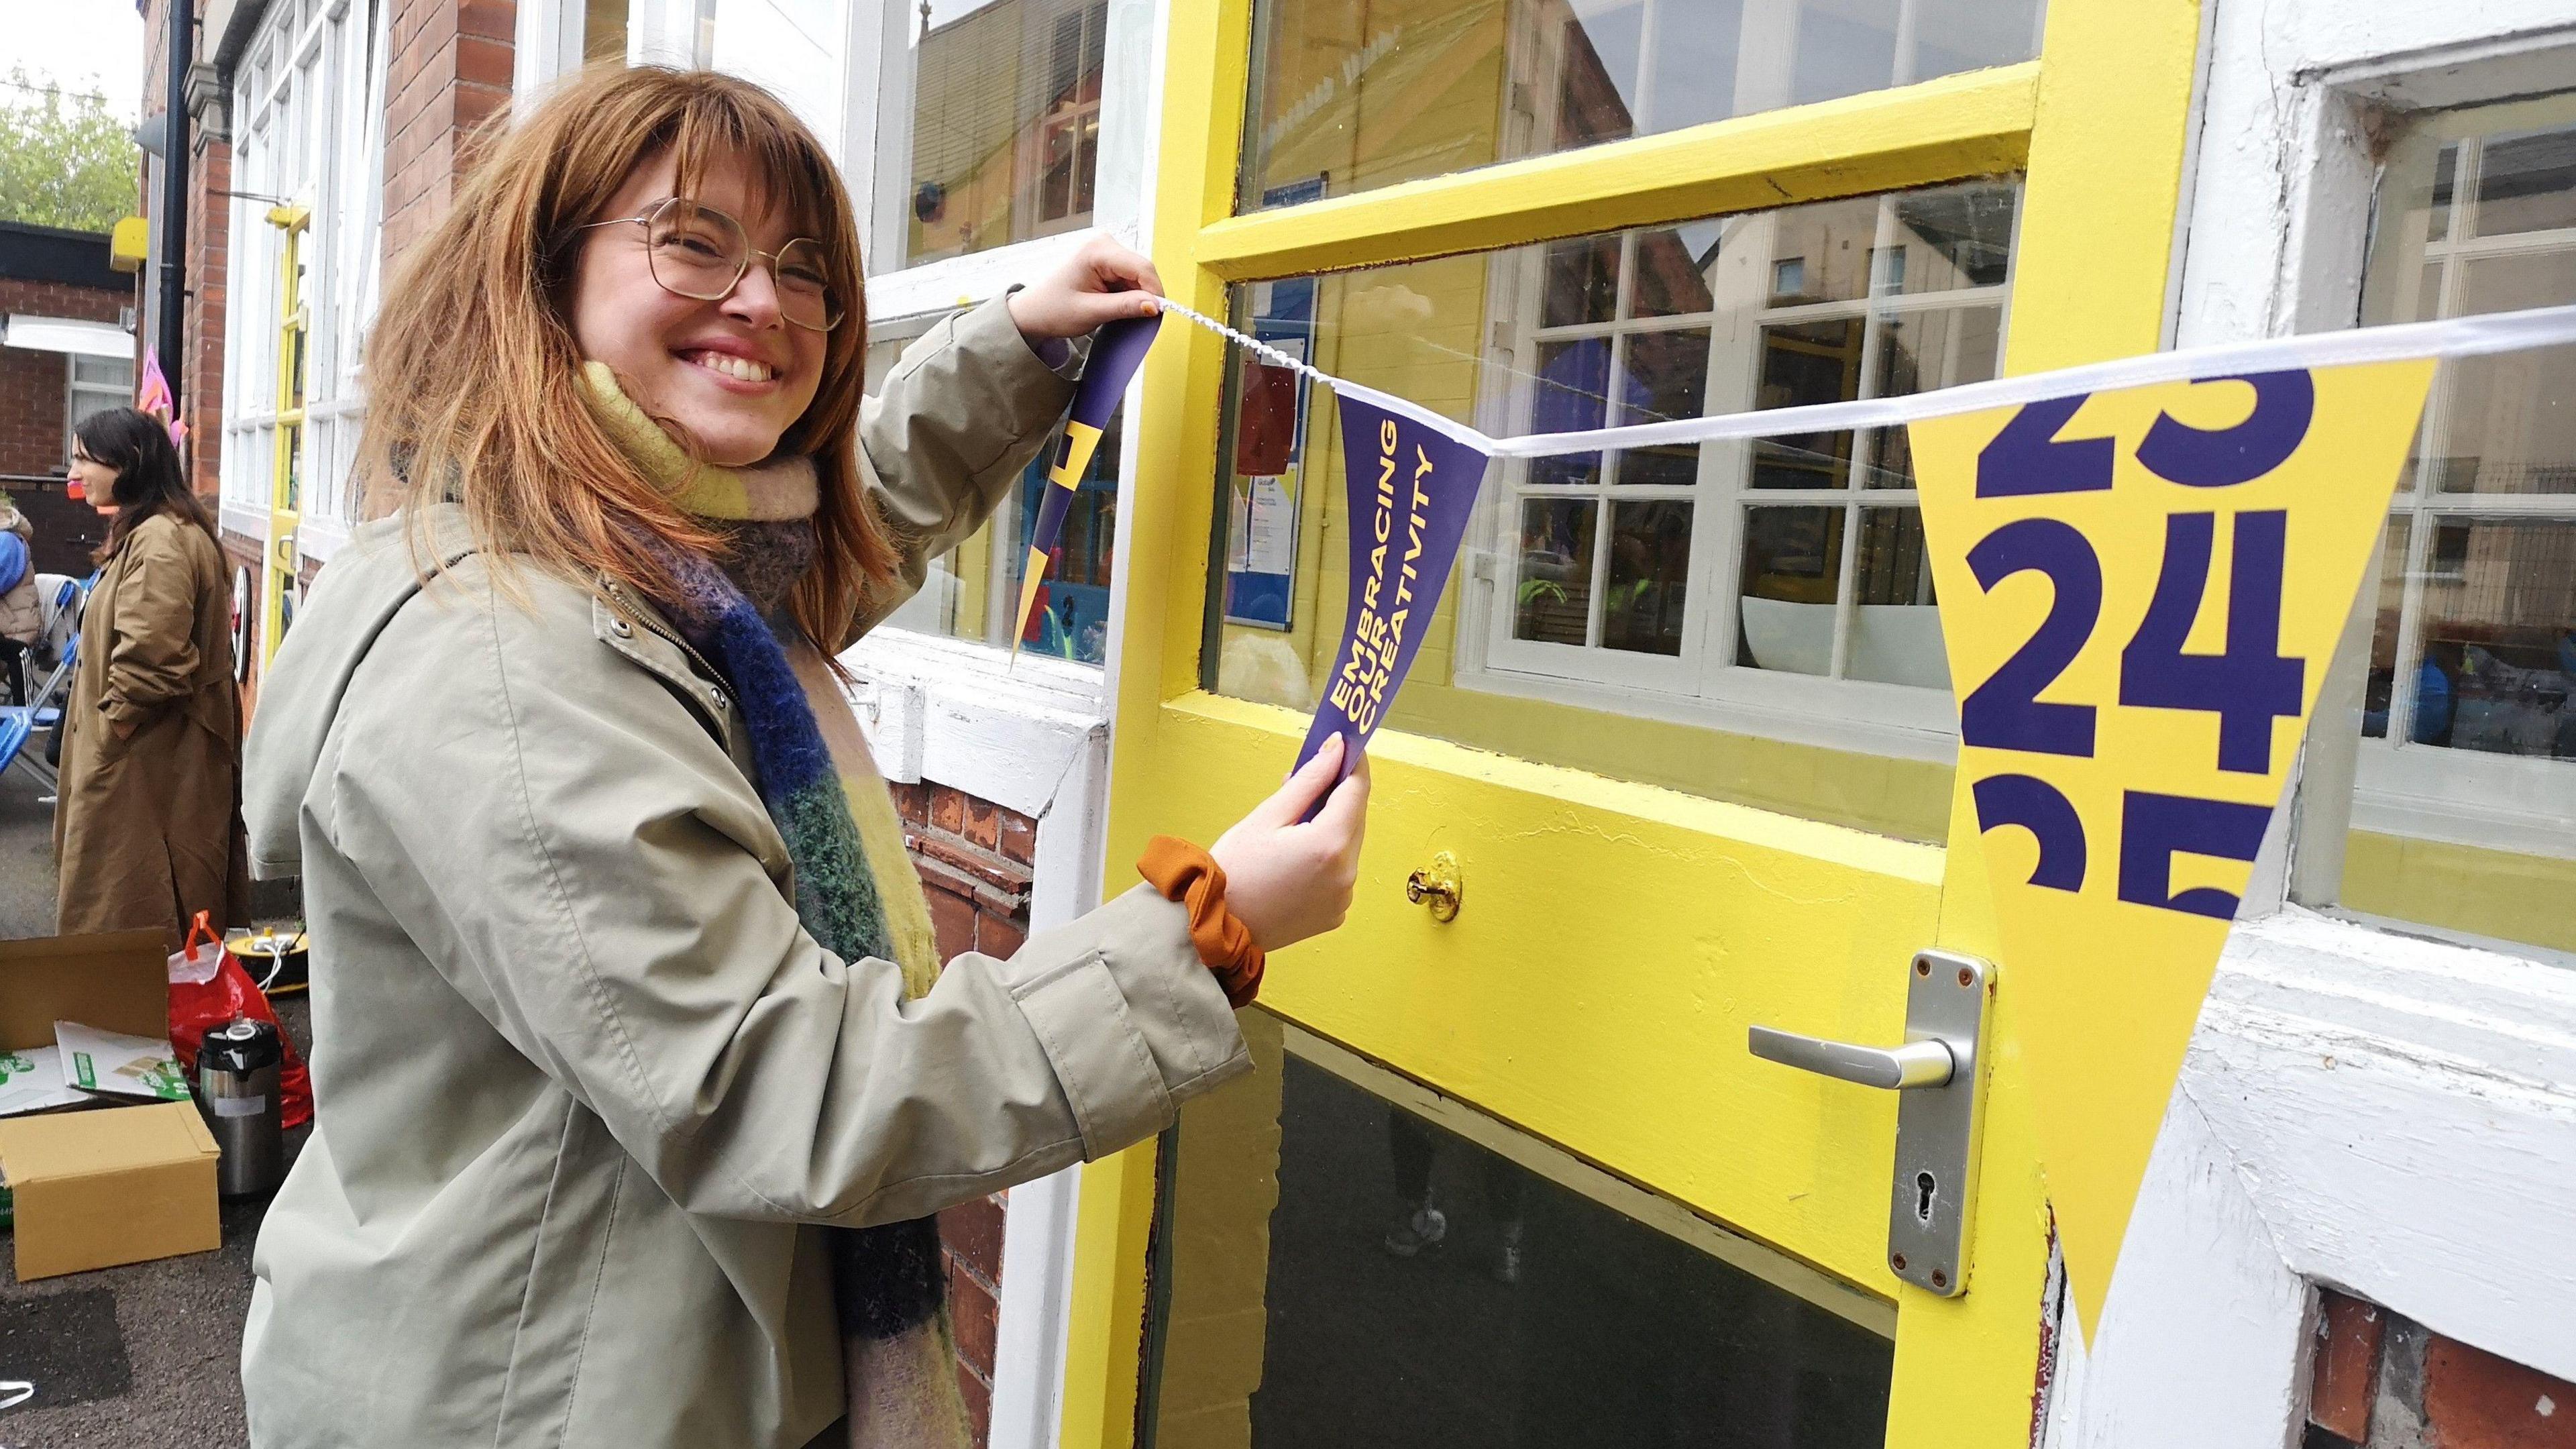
(1938, 1075)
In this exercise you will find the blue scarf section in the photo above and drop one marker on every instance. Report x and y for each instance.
(887, 1280)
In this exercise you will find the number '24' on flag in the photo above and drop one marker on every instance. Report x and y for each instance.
(2140, 592)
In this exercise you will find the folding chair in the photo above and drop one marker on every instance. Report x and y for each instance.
(44, 708)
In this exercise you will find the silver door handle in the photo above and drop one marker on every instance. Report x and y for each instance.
(1932, 1194)
(1915, 1064)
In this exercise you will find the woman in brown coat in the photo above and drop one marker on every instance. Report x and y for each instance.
(146, 833)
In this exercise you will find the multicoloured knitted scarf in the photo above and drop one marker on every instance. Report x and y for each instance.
(888, 1283)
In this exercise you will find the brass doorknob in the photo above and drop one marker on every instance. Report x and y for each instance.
(1436, 886)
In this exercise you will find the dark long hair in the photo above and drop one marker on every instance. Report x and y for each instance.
(148, 480)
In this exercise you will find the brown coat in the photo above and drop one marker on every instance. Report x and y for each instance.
(148, 829)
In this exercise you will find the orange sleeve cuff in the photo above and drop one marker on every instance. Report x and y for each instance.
(1185, 873)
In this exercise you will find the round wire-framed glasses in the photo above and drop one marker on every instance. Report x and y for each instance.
(700, 253)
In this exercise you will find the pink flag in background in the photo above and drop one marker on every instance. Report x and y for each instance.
(152, 395)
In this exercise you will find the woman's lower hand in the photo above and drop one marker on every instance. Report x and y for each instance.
(1102, 282)
(1286, 881)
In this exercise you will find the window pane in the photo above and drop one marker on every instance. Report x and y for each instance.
(108, 372)
(1792, 566)
(1673, 263)
(2455, 721)
(1347, 96)
(1611, 610)
(1003, 126)
(2498, 637)
(1805, 363)
(1666, 379)
(1895, 628)
(1922, 350)
(2527, 182)
(1642, 608)
(1555, 599)
(1345, 1272)
(1582, 281)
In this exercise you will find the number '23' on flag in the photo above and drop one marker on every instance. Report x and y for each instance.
(2140, 591)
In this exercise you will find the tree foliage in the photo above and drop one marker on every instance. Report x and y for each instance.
(65, 159)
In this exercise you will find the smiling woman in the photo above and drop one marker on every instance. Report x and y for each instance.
(626, 964)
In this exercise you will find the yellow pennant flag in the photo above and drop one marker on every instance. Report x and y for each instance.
(2140, 591)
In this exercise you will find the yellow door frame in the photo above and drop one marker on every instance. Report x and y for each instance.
(285, 500)
(2097, 124)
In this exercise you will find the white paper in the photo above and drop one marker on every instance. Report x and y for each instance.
(1238, 532)
(31, 1080)
(114, 1064)
(1271, 543)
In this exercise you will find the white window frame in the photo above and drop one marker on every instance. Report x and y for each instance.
(308, 128)
(2360, 1108)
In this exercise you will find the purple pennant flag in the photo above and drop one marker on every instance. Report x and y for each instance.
(1412, 487)
(1116, 352)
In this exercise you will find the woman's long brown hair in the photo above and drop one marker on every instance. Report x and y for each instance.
(474, 388)
(149, 480)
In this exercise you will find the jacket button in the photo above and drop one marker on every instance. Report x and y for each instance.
(716, 698)
(623, 629)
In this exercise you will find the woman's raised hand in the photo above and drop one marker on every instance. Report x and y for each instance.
(1101, 282)
(1286, 881)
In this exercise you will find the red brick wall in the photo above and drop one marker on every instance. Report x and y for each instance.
(201, 386)
(975, 860)
(2383, 1381)
(448, 69)
(35, 386)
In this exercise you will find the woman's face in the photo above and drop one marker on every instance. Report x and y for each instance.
(97, 481)
(734, 373)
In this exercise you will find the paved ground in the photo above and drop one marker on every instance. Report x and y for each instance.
(144, 1357)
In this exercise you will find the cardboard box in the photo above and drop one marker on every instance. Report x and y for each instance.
(96, 1189)
(99, 1187)
(115, 982)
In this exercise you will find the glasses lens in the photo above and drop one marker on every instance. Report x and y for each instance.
(695, 251)
(805, 294)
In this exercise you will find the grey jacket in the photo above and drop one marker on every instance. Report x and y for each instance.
(581, 1076)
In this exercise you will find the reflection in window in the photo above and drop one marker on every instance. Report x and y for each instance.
(1004, 124)
(1345, 1271)
(2464, 815)
(1674, 581)
(1351, 94)
(973, 590)
(1871, 297)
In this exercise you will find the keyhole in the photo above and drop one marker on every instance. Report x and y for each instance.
(1924, 1187)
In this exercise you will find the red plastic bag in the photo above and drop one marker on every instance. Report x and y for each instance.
(200, 1002)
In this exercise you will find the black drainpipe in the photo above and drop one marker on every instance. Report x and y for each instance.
(174, 194)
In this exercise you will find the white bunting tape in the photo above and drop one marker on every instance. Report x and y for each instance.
(2452, 337)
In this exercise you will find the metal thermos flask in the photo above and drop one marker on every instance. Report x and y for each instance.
(237, 1086)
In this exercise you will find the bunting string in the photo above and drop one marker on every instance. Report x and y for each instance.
(2451, 337)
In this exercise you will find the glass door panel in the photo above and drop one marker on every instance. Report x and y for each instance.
(1358, 1262)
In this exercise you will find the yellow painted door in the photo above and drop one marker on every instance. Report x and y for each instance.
(1675, 722)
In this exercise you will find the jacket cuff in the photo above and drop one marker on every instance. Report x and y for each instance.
(1130, 1019)
(1019, 372)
